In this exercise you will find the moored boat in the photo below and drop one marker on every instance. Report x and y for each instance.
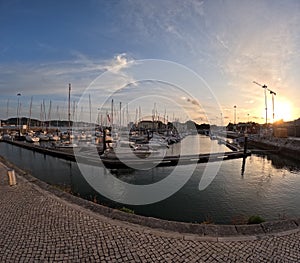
(32, 138)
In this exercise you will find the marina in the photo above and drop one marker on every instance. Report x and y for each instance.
(266, 185)
(113, 162)
(149, 131)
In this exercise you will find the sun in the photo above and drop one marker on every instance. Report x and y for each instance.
(283, 110)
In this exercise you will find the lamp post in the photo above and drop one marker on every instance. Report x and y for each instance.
(234, 114)
(234, 107)
(221, 118)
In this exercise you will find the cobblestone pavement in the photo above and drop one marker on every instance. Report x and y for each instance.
(36, 226)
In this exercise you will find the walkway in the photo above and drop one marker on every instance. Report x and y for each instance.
(38, 226)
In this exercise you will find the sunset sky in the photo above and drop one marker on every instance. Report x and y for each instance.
(225, 45)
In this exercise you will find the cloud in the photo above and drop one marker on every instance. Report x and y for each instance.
(50, 78)
(228, 43)
(193, 101)
(120, 61)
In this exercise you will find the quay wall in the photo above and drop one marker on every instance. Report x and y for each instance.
(56, 153)
(283, 149)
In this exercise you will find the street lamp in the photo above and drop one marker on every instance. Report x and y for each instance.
(234, 117)
(234, 114)
(222, 119)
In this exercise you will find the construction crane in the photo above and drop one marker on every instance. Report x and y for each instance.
(266, 107)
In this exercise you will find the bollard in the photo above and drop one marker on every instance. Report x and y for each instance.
(11, 177)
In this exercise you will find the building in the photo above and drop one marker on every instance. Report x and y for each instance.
(151, 125)
(292, 127)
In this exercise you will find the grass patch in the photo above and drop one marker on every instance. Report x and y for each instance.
(255, 220)
(126, 210)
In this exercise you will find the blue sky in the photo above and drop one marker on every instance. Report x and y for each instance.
(47, 44)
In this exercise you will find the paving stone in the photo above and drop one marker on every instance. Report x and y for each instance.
(250, 229)
(220, 230)
(37, 226)
(276, 226)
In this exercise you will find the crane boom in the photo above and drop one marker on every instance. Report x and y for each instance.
(257, 83)
(265, 87)
(272, 92)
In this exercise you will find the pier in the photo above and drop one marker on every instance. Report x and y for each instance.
(89, 156)
(174, 160)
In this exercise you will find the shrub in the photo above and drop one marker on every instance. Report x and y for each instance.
(255, 220)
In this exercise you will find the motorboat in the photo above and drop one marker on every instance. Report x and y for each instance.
(128, 149)
(6, 137)
(31, 138)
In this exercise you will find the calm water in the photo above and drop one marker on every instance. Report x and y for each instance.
(268, 187)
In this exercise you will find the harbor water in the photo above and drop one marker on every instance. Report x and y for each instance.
(267, 186)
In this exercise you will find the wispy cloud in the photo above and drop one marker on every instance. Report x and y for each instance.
(50, 80)
(228, 43)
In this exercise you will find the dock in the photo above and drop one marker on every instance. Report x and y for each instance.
(173, 160)
(88, 156)
(66, 154)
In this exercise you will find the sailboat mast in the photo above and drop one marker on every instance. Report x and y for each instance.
(120, 114)
(58, 115)
(30, 109)
(73, 113)
(44, 114)
(127, 115)
(41, 116)
(69, 109)
(49, 113)
(112, 113)
(90, 108)
(7, 106)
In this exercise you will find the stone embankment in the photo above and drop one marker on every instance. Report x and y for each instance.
(289, 147)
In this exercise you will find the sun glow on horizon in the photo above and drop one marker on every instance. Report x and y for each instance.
(283, 110)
